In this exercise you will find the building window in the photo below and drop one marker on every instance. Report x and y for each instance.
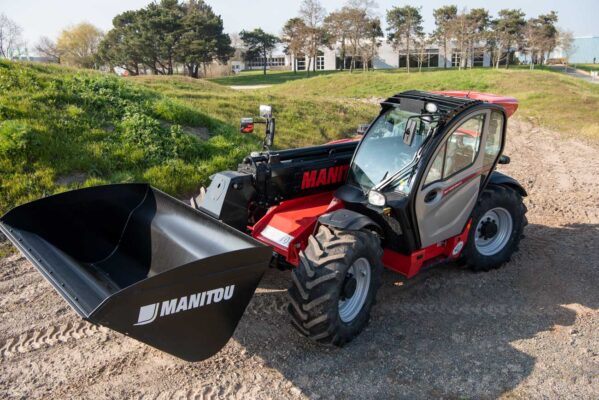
(478, 58)
(456, 59)
(320, 63)
(300, 63)
(270, 62)
(429, 59)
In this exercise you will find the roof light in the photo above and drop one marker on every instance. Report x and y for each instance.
(431, 108)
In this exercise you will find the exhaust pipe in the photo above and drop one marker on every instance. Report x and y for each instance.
(140, 262)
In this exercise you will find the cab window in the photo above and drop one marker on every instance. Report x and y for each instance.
(458, 152)
(494, 139)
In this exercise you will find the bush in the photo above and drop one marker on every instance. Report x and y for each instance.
(19, 141)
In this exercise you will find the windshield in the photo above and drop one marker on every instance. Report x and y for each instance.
(383, 152)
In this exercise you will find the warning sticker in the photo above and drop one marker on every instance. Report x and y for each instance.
(277, 236)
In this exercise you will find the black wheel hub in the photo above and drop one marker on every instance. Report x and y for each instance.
(349, 287)
(488, 229)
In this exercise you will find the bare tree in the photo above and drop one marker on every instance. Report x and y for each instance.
(422, 44)
(566, 44)
(338, 27)
(460, 30)
(294, 38)
(46, 47)
(313, 14)
(11, 37)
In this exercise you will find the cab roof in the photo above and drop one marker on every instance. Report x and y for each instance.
(448, 103)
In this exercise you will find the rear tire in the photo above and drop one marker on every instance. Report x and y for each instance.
(497, 225)
(328, 304)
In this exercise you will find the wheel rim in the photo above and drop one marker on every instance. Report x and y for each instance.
(493, 231)
(350, 307)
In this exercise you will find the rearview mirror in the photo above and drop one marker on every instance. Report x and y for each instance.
(410, 131)
(247, 125)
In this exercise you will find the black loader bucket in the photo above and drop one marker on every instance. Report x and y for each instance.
(138, 261)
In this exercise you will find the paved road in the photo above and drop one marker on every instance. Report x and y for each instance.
(575, 73)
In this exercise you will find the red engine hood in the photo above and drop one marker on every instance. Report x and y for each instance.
(509, 103)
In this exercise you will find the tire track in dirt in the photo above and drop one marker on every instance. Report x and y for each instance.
(48, 337)
(268, 304)
(526, 330)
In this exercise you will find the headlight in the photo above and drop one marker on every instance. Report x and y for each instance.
(376, 199)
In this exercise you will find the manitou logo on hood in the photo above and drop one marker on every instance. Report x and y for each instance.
(148, 314)
(324, 176)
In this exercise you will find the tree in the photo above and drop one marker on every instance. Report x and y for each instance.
(548, 33)
(121, 46)
(294, 38)
(313, 14)
(404, 25)
(373, 34)
(444, 21)
(338, 26)
(421, 45)
(46, 47)
(78, 45)
(506, 31)
(11, 37)
(566, 44)
(478, 21)
(532, 40)
(258, 44)
(203, 39)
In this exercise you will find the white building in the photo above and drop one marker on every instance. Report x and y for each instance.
(387, 58)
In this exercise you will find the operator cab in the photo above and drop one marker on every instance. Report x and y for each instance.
(419, 168)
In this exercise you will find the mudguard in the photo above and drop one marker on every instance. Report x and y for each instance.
(138, 261)
(497, 178)
(348, 220)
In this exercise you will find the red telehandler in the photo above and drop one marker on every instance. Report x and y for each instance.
(418, 188)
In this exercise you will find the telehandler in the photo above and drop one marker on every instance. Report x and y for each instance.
(418, 188)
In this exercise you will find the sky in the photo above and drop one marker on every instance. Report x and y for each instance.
(48, 17)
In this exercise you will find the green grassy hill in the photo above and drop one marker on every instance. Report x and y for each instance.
(551, 99)
(62, 128)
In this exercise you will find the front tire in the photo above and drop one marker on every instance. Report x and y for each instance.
(497, 225)
(335, 285)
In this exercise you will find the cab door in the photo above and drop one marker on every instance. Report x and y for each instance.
(449, 191)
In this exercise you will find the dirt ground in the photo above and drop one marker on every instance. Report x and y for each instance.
(528, 330)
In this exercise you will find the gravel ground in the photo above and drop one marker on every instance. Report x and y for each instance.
(528, 330)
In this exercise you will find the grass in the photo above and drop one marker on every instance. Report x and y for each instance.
(62, 128)
(587, 67)
(248, 78)
(301, 120)
(552, 100)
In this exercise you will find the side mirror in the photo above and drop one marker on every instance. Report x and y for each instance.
(247, 125)
(265, 111)
(362, 128)
(504, 160)
(410, 131)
